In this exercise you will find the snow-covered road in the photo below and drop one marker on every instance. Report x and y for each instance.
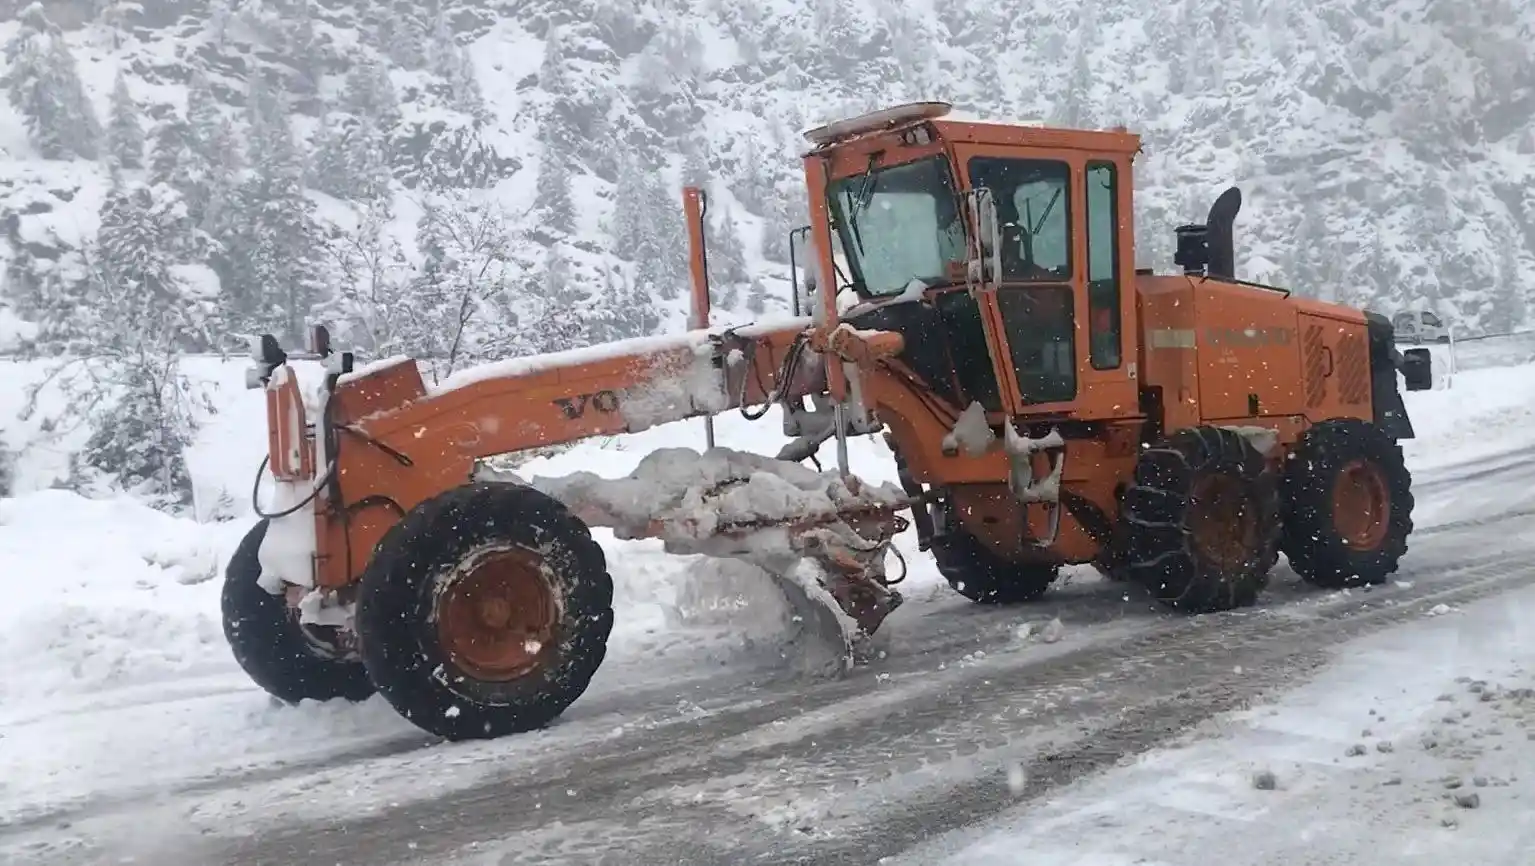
(135, 737)
(1415, 747)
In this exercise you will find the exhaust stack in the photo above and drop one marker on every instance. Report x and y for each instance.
(1210, 249)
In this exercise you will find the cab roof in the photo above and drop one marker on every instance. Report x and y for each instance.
(899, 118)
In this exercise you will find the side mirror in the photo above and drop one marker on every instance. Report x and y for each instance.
(268, 355)
(1418, 369)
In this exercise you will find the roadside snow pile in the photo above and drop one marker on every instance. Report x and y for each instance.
(1483, 411)
(105, 593)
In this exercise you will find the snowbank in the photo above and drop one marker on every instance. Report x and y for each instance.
(104, 593)
(1484, 411)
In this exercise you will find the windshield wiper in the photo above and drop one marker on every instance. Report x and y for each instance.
(861, 199)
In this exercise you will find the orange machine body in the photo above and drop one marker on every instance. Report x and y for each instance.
(1108, 356)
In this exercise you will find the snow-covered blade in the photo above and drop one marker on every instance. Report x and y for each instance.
(774, 514)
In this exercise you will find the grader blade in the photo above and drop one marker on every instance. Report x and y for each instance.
(777, 515)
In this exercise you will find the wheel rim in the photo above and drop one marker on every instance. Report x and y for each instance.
(1221, 522)
(496, 617)
(1361, 505)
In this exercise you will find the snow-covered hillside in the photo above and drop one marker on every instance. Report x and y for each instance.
(527, 154)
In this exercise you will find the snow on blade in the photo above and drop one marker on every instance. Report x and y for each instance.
(705, 491)
(771, 513)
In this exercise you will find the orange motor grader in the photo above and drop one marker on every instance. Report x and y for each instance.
(973, 296)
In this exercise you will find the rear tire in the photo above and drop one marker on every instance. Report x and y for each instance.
(269, 644)
(485, 611)
(1201, 521)
(983, 577)
(1348, 505)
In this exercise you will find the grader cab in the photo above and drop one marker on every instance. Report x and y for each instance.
(974, 298)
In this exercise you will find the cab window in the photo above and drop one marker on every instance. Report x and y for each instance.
(1034, 209)
(1103, 265)
(897, 224)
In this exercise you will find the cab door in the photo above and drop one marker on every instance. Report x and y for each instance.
(1055, 310)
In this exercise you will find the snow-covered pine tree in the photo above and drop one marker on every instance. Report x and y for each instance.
(137, 246)
(197, 157)
(561, 323)
(302, 48)
(368, 94)
(727, 259)
(648, 230)
(613, 132)
(622, 311)
(20, 290)
(212, 134)
(556, 212)
(627, 226)
(330, 171)
(754, 184)
(367, 154)
(468, 98)
(142, 425)
(410, 46)
(559, 137)
(637, 317)
(1074, 108)
(220, 14)
(785, 213)
(756, 297)
(140, 319)
(44, 85)
(125, 131)
(370, 134)
(378, 27)
(270, 275)
(48, 296)
(350, 159)
(443, 49)
(697, 162)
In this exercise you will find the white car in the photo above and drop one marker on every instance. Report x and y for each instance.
(1420, 326)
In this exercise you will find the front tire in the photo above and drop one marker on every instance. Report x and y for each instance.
(983, 577)
(270, 645)
(1348, 505)
(485, 611)
(1201, 521)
